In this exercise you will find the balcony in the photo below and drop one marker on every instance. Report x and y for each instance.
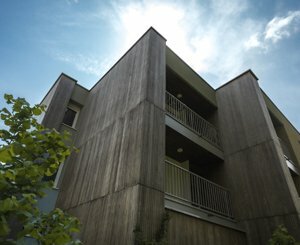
(190, 119)
(288, 157)
(196, 191)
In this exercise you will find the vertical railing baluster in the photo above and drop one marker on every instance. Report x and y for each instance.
(191, 119)
(212, 197)
(206, 190)
(197, 190)
(201, 191)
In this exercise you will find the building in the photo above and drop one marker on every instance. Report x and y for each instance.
(154, 136)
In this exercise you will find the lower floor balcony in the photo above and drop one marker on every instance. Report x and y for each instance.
(192, 190)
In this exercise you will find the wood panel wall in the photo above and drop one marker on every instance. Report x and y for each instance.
(59, 102)
(255, 171)
(116, 181)
(184, 229)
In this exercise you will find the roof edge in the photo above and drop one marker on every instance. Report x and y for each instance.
(131, 47)
(238, 76)
(65, 75)
(56, 81)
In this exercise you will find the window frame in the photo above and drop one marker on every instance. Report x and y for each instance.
(77, 110)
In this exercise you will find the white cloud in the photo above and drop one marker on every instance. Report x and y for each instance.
(208, 38)
(87, 64)
(134, 18)
(280, 27)
(253, 41)
(228, 8)
(275, 30)
(214, 37)
(72, 1)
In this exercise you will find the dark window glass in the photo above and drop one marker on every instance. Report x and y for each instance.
(69, 117)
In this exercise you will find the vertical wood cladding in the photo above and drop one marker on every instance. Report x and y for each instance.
(56, 110)
(184, 229)
(138, 76)
(254, 169)
(116, 181)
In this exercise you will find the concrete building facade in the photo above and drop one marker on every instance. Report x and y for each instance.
(154, 137)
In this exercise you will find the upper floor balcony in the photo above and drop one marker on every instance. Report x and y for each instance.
(192, 120)
(288, 156)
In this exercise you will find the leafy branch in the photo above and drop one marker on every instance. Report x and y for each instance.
(28, 154)
(161, 234)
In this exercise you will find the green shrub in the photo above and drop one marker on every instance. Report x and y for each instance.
(281, 236)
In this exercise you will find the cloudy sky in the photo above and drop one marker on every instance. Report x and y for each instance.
(219, 39)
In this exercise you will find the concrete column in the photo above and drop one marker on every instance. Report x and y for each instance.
(60, 98)
(254, 169)
(116, 181)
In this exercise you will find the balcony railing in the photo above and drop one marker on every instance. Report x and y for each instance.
(196, 191)
(285, 149)
(182, 113)
(288, 156)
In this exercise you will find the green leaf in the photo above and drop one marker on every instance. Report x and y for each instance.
(48, 172)
(36, 111)
(5, 154)
(10, 174)
(8, 204)
(8, 122)
(26, 125)
(3, 116)
(8, 97)
(30, 152)
(4, 228)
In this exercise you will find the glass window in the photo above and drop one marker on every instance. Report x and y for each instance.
(69, 117)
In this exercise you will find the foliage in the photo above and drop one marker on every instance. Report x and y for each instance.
(161, 234)
(28, 154)
(281, 236)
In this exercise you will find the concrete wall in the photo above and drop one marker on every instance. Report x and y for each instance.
(292, 134)
(47, 100)
(79, 95)
(263, 192)
(64, 87)
(184, 229)
(116, 181)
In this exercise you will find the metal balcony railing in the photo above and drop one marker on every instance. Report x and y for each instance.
(196, 191)
(285, 149)
(182, 113)
(288, 157)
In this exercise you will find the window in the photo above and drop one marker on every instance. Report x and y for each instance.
(71, 115)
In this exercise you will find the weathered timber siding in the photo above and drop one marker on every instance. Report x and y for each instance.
(291, 132)
(59, 102)
(255, 171)
(116, 181)
(184, 229)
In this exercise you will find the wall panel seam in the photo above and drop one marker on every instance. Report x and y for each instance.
(270, 216)
(112, 193)
(96, 133)
(250, 147)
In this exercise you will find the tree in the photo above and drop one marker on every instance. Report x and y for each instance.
(281, 236)
(29, 153)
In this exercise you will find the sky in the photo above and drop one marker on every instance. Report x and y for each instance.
(219, 39)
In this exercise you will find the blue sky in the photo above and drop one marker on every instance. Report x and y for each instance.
(219, 39)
